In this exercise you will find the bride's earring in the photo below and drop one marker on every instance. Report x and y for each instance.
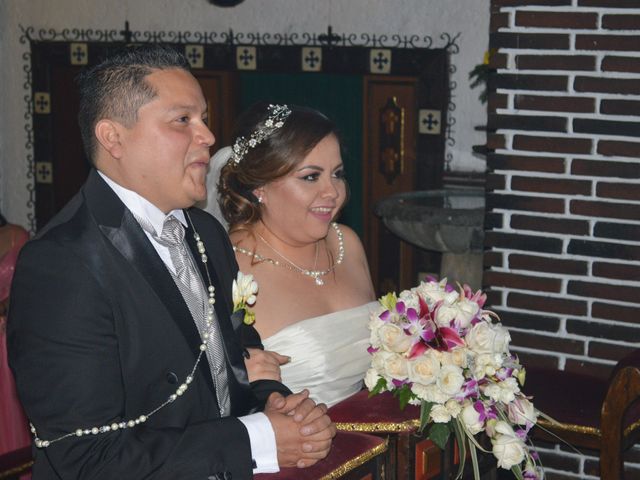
(259, 198)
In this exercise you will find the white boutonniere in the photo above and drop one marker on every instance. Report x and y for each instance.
(244, 290)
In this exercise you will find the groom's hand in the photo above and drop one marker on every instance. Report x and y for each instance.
(303, 430)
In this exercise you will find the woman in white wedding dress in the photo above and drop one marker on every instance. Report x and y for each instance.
(281, 186)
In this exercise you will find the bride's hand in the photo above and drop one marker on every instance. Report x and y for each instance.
(264, 365)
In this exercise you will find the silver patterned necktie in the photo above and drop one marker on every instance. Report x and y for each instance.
(192, 289)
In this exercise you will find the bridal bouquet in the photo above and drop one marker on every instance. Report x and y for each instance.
(436, 347)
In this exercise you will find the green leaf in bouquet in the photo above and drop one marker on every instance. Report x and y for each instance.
(462, 445)
(439, 434)
(425, 410)
(381, 385)
(404, 394)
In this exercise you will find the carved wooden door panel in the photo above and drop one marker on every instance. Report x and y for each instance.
(389, 167)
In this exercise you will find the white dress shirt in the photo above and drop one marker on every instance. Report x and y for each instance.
(261, 435)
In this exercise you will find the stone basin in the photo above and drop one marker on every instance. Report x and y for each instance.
(442, 220)
(448, 221)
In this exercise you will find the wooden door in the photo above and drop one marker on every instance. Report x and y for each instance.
(389, 167)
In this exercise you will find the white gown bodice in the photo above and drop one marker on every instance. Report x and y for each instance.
(328, 353)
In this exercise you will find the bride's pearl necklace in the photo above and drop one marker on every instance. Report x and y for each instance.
(315, 274)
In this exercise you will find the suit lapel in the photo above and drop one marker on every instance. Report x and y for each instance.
(125, 234)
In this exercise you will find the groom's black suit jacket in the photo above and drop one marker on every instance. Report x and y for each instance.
(98, 332)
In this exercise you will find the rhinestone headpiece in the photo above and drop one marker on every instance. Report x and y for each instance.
(275, 120)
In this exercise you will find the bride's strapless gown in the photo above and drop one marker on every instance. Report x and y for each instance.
(328, 353)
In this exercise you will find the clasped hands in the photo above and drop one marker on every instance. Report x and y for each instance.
(303, 429)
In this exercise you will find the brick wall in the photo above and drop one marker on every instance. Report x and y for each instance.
(563, 187)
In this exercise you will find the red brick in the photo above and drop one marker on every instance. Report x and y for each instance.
(545, 343)
(552, 144)
(526, 3)
(608, 42)
(522, 282)
(542, 361)
(620, 64)
(620, 107)
(554, 103)
(558, 461)
(626, 191)
(619, 271)
(621, 22)
(547, 264)
(588, 368)
(493, 259)
(611, 250)
(528, 243)
(539, 41)
(527, 321)
(495, 182)
(521, 122)
(598, 168)
(621, 293)
(498, 60)
(551, 185)
(497, 100)
(519, 81)
(620, 149)
(617, 230)
(610, 3)
(523, 202)
(629, 86)
(609, 332)
(493, 221)
(538, 303)
(605, 209)
(498, 21)
(606, 127)
(565, 20)
(494, 297)
(530, 164)
(556, 62)
(549, 224)
(608, 351)
(620, 313)
(495, 141)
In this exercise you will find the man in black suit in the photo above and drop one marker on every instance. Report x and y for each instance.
(104, 342)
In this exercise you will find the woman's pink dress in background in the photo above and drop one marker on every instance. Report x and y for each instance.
(14, 430)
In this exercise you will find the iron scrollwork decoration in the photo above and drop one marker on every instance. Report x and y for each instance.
(222, 45)
(391, 154)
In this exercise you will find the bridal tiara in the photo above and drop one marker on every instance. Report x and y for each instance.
(275, 120)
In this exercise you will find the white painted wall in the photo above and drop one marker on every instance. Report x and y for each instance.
(404, 17)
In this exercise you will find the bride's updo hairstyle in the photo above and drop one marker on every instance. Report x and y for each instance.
(272, 158)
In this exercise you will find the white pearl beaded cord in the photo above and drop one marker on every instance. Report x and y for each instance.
(182, 388)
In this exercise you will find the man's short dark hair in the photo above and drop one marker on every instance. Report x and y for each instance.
(116, 88)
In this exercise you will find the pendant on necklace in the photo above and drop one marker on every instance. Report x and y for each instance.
(318, 280)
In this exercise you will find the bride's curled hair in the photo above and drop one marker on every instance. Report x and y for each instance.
(271, 159)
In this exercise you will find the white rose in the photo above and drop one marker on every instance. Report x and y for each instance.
(486, 364)
(395, 366)
(445, 315)
(485, 337)
(424, 369)
(471, 419)
(457, 357)
(466, 311)
(503, 391)
(453, 407)
(410, 300)
(521, 411)
(429, 393)
(371, 378)
(379, 360)
(508, 449)
(394, 339)
(450, 379)
(432, 292)
(440, 414)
